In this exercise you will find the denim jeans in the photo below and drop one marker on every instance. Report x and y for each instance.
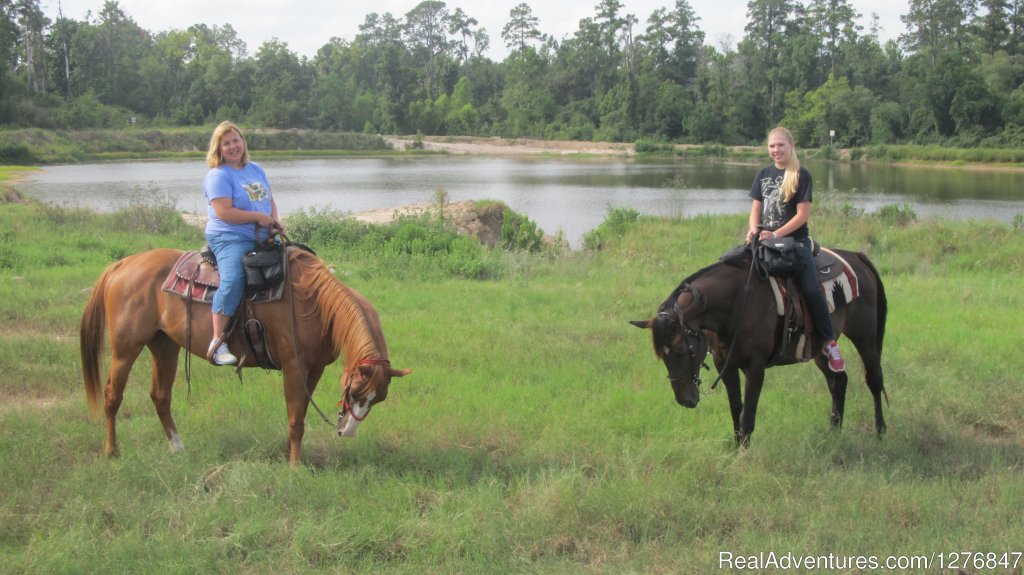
(229, 249)
(807, 278)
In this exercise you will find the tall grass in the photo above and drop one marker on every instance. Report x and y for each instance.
(537, 433)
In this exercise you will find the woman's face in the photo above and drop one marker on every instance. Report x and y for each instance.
(779, 149)
(232, 148)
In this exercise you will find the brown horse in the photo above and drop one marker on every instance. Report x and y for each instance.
(727, 309)
(316, 320)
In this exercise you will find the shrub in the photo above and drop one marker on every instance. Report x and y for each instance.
(896, 214)
(520, 233)
(615, 224)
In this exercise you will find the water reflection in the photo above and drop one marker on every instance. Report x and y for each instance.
(570, 195)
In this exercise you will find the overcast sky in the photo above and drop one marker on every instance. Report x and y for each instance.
(306, 25)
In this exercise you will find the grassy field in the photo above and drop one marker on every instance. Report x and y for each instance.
(537, 432)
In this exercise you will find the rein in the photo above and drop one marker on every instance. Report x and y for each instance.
(739, 319)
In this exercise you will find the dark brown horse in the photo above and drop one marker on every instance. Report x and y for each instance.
(316, 320)
(727, 309)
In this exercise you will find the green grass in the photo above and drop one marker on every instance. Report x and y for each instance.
(537, 432)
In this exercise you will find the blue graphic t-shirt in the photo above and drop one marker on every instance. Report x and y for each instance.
(767, 187)
(248, 189)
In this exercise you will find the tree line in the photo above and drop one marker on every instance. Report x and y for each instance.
(953, 77)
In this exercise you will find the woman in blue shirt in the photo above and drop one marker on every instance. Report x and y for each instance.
(781, 195)
(238, 197)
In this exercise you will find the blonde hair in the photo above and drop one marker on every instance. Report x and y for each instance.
(792, 178)
(214, 159)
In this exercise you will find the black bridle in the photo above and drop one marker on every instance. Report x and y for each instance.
(691, 349)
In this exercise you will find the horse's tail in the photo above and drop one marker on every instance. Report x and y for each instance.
(882, 308)
(90, 339)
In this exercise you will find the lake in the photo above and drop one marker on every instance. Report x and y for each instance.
(567, 194)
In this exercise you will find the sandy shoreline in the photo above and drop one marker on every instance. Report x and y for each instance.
(466, 145)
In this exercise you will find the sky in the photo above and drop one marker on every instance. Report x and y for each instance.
(306, 25)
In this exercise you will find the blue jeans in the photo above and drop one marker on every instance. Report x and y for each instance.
(807, 278)
(229, 249)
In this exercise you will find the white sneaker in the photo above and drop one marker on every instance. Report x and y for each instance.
(222, 356)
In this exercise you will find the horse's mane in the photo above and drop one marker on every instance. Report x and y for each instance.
(736, 257)
(665, 324)
(347, 317)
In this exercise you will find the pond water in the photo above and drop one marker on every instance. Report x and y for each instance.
(560, 194)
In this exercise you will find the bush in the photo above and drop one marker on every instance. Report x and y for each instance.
(520, 233)
(615, 224)
(410, 246)
(896, 214)
(653, 147)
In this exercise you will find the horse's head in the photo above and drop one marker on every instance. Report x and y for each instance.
(681, 345)
(364, 385)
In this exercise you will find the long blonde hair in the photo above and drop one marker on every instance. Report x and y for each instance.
(214, 159)
(792, 178)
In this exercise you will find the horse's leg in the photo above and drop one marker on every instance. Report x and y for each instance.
(752, 393)
(731, 378)
(837, 383)
(121, 360)
(871, 356)
(296, 398)
(165, 367)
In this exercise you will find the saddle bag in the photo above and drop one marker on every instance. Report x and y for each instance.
(777, 256)
(264, 268)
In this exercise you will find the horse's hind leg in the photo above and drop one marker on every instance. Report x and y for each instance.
(165, 367)
(872, 359)
(121, 361)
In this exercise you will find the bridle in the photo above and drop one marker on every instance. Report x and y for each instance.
(344, 403)
(691, 334)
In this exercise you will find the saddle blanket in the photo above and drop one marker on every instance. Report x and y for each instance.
(839, 286)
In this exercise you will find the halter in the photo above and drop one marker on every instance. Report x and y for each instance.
(345, 407)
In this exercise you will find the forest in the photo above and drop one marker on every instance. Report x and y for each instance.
(953, 77)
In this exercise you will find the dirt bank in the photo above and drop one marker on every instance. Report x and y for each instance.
(511, 147)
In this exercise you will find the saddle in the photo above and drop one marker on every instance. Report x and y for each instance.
(838, 284)
(195, 278)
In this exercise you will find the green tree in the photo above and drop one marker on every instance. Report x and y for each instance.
(280, 85)
(993, 28)
(936, 27)
(833, 22)
(521, 29)
(767, 21)
(426, 34)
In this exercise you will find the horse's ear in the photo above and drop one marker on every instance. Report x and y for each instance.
(398, 372)
(641, 323)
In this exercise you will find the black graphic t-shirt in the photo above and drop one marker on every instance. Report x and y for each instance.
(767, 187)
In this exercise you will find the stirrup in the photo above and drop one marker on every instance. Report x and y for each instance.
(217, 357)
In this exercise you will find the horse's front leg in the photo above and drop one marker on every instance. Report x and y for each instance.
(731, 378)
(748, 415)
(296, 398)
(837, 383)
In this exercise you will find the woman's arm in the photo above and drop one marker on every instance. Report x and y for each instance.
(754, 220)
(232, 215)
(803, 213)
